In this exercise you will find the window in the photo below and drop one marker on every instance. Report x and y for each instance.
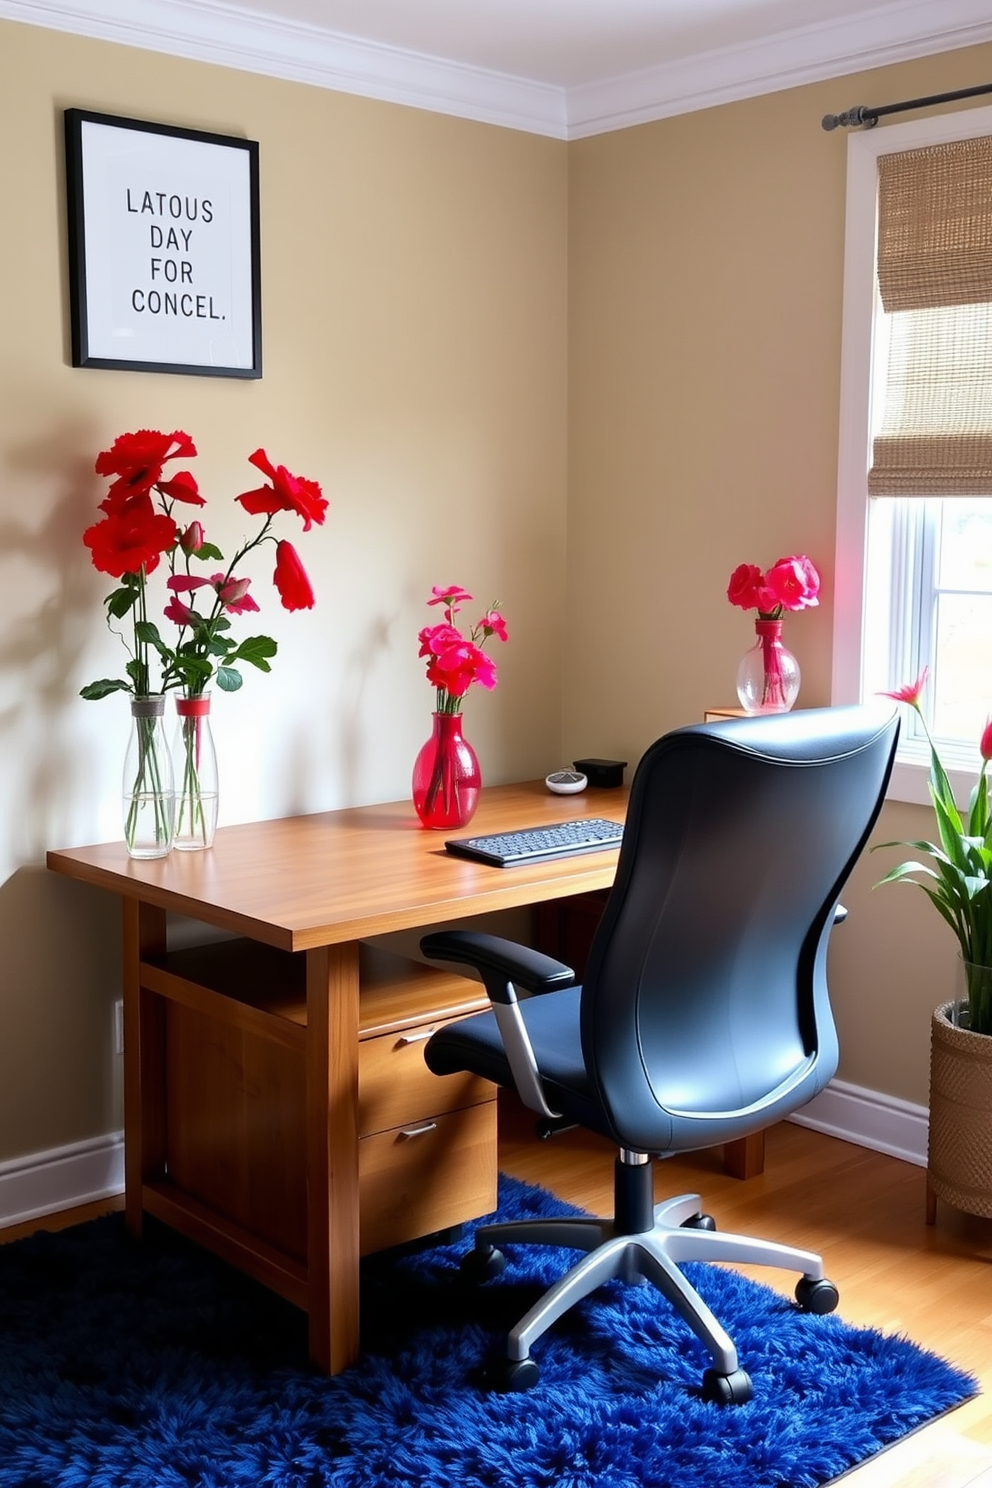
(914, 536)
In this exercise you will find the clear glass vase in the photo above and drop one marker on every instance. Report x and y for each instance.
(194, 760)
(446, 776)
(974, 1010)
(768, 675)
(148, 794)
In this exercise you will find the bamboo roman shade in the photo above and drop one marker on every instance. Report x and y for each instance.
(935, 282)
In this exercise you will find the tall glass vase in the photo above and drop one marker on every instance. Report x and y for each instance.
(446, 776)
(195, 765)
(148, 795)
(768, 675)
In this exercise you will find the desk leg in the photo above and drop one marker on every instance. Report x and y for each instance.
(332, 1155)
(144, 1058)
(745, 1156)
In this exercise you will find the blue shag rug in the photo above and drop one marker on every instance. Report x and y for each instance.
(154, 1365)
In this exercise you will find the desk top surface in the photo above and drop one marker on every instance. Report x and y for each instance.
(306, 881)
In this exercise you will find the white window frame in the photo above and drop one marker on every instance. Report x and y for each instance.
(857, 384)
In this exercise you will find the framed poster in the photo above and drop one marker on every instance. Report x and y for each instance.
(163, 248)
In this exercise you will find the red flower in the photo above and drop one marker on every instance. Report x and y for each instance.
(137, 460)
(291, 580)
(745, 586)
(286, 493)
(985, 747)
(129, 541)
(182, 487)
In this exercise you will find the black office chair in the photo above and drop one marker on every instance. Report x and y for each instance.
(704, 1014)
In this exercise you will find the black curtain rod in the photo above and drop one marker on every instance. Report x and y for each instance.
(869, 117)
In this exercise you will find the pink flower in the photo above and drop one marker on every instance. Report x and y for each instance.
(233, 594)
(794, 582)
(452, 596)
(192, 539)
(180, 613)
(910, 692)
(436, 638)
(459, 666)
(185, 583)
(291, 580)
(454, 661)
(492, 623)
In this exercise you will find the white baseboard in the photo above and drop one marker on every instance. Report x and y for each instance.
(46, 1182)
(866, 1117)
(61, 1178)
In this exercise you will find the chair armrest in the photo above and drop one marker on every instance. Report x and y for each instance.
(499, 962)
(504, 965)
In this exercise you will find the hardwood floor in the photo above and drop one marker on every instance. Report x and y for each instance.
(864, 1212)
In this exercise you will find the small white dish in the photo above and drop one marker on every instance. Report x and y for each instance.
(565, 782)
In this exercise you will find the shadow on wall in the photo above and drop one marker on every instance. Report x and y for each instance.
(51, 616)
(59, 980)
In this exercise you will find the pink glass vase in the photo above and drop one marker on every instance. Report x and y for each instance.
(446, 778)
(768, 675)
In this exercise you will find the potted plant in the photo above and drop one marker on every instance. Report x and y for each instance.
(957, 882)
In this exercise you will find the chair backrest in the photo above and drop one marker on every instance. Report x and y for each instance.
(705, 1012)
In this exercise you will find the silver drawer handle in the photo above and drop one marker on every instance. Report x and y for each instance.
(419, 1131)
(416, 1038)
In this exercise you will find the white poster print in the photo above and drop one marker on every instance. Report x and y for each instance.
(169, 251)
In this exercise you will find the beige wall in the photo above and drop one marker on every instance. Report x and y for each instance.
(706, 279)
(434, 293)
(414, 302)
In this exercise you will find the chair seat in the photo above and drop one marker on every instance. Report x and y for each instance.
(552, 1023)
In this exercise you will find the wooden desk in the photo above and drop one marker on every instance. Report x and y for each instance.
(312, 888)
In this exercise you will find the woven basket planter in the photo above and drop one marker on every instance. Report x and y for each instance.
(959, 1156)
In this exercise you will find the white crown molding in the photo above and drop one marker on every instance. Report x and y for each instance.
(228, 36)
(205, 31)
(834, 49)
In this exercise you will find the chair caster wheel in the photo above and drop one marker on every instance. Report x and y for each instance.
(727, 1389)
(698, 1222)
(816, 1296)
(514, 1375)
(483, 1264)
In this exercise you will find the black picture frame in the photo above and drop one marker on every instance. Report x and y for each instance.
(163, 226)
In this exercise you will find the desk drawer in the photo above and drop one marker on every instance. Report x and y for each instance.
(396, 1087)
(427, 1176)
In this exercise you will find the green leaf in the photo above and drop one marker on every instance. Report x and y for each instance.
(256, 650)
(209, 550)
(147, 632)
(120, 602)
(229, 680)
(93, 691)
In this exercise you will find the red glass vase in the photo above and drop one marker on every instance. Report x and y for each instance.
(446, 777)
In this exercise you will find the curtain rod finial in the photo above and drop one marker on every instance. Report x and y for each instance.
(857, 115)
